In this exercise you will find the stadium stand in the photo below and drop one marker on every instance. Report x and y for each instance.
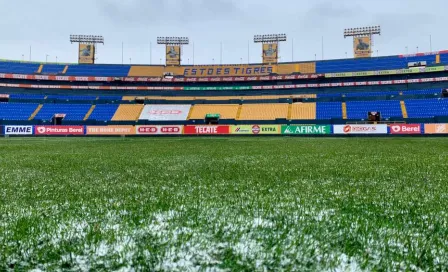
(52, 69)
(74, 112)
(103, 112)
(98, 70)
(227, 111)
(359, 109)
(127, 113)
(328, 110)
(165, 112)
(19, 67)
(17, 111)
(421, 108)
(264, 111)
(303, 111)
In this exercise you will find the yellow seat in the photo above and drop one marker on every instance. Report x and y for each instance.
(128, 112)
(303, 111)
(226, 111)
(264, 111)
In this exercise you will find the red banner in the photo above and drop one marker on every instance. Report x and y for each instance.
(59, 130)
(405, 129)
(206, 130)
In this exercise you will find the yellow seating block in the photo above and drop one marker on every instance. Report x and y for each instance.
(128, 112)
(226, 111)
(264, 111)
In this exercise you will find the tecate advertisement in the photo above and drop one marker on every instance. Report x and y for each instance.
(255, 129)
(360, 129)
(304, 129)
(206, 130)
(159, 130)
(18, 130)
(59, 130)
(405, 129)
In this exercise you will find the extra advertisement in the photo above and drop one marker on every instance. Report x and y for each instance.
(18, 130)
(255, 129)
(405, 129)
(436, 128)
(306, 129)
(206, 130)
(110, 130)
(360, 129)
(159, 130)
(59, 130)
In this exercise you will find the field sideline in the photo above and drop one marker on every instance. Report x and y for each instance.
(223, 204)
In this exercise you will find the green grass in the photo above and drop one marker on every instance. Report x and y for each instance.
(223, 204)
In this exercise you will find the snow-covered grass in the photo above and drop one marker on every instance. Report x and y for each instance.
(223, 204)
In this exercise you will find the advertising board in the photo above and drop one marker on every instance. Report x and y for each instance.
(405, 129)
(306, 129)
(255, 129)
(360, 129)
(110, 130)
(18, 130)
(206, 130)
(59, 130)
(159, 130)
(436, 128)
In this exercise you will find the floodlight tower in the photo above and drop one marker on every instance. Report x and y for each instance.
(173, 48)
(270, 46)
(87, 46)
(362, 35)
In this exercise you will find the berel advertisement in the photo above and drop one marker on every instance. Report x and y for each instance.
(405, 129)
(58, 130)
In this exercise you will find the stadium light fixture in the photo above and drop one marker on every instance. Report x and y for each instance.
(270, 38)
(173, 40)
(362, 31)
(87, 39)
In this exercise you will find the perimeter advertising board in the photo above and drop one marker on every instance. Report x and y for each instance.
(18, 130)
(59, 130)
(436, 128)
(306, 129)
(110, 130)
(405, 129)
(360, 129)
(255, 129)
(206, 130)
(159, 130)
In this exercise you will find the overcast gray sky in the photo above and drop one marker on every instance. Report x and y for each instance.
(47, 24)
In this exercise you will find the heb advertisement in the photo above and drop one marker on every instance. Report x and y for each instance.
(18, 130)
(307, 129)
(436, 128)
(159, 130)
(405, 129)
(255, 129)
(360, 129)
(110, 130)
(59, 130)
(206, 130)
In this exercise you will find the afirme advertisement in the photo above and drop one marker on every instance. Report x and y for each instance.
(306, 129)
(255, 129)
(360, 129)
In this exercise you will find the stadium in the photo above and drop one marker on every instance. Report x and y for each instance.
(112, 167)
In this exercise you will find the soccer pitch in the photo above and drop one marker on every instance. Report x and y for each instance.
(223, 204)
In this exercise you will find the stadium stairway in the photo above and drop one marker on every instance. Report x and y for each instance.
(344, 110)
(36, 111)
(89, 112)
(40, 69)
(403, 109)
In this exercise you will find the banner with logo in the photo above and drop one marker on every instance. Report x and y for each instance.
(405, 129)
(360, 129)
(206, 130)
(159, 130)
(255, 129)
(165, 112)
(436, 128)
(59, 130)
(270, 53)
(110, 130)
(362, 47)
(173, 55)
(86, 53)
(306, 129)
(18, 130)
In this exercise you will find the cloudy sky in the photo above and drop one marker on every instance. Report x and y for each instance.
(45, 25)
